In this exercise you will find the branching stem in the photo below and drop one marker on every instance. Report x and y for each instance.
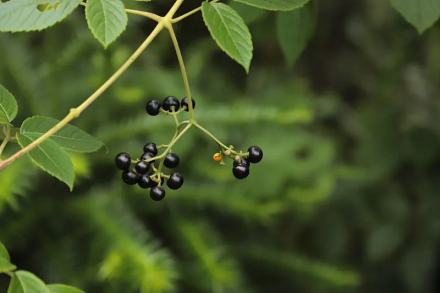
(7, 130)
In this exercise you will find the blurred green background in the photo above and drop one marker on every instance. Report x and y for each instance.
(346, 198)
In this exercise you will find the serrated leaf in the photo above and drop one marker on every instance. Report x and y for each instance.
(294, 30)
(107, 19)
(25, 282)
(5, 260)
(8, 106)
(421, 13)
(58, 288)
(25, 15)
(50, 157)
(275, 4)
(69, 137)
(229, 31)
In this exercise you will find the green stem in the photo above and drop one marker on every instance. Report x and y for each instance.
(182, 68)
(6, 140)
(177, 19)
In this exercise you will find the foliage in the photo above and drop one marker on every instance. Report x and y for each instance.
(345, 199)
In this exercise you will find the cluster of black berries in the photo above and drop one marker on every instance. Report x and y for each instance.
(153, 106)
(146, 179)
(241, 169)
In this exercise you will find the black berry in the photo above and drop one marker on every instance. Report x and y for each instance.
(240, 171)
(171, 161)
(130, 177)
(243, 161)
(171, 101)
(123, 161)
(150, 148)
(175, 181)
(255, 154)
(147, 156)
(153, 107)
(145, 181)
(184, 103)
(142, 167)
(157, 193)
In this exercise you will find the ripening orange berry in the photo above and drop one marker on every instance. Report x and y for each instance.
(217, 157)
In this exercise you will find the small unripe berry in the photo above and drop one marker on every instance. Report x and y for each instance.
(150, 148)
(169, 102)
(171, 161)
(142, 167)
(217, 157)
(175, 181)
(237, 158)
(153, 107)
(227, 152)
(157, 193)
(240, 171)
(130, 177)
(255, 154)
(123, 161)
(184, 103)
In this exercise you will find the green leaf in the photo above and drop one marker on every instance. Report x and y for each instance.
(25, 282)
(248, 13)
(8, 106)
(294, 30)
(107, 19)
(275, 4)
(50, 157)
(421, 13)
(58, 288)
(229, 31)
(69, 137)
(5, 260)
(26, 15)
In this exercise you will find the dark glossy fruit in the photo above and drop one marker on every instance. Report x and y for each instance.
(154, 183)
(240, 171)
(175, 181)
(255, 154)
(150, 148)
(145, 181)
(243, 161)
(171, 161)
(123, 161)
(147, 156)
(142, 167)
(171, 101)
(153, 107)
(184, 103)
(130, 177)
(157, 193)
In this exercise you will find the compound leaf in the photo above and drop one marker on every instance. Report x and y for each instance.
(25, 282)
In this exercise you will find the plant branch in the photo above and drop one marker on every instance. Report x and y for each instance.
(177, 19)
(184, 75)
(74, 113)
(7, 131)
(150, 15)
